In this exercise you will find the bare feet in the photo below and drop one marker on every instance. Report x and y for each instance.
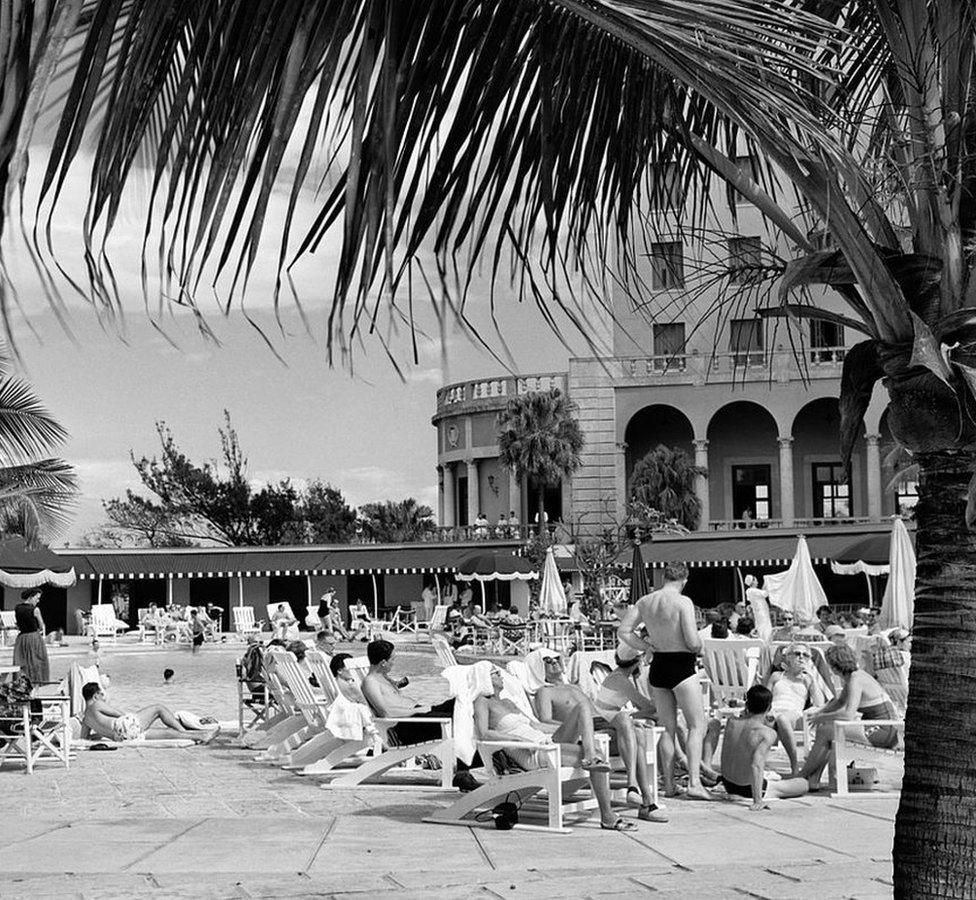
(208, 736)
(698, 793)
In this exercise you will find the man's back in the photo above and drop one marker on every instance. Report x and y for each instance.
(742, 738)
(666, 614)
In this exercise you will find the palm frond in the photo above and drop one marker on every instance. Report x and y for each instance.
(37, 499)
(27, 430)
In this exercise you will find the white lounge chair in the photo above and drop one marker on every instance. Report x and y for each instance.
(444, 651)
(291, 634)
(560, 784)
(244, 623)
(283, 730)
(732, 667)
(557, 634)
(8, 625)
(104, 624)
(438, 621)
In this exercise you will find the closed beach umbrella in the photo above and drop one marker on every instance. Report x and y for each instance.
(638, 576)
(552, 597)
(898, 605)
(797, 590)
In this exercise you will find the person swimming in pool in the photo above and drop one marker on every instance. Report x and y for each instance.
(673, 639)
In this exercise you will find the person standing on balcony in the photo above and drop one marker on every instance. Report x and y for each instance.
(481, 527)
(514, 526)
(501, 529)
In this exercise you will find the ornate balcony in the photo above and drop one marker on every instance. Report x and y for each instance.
(492, 393)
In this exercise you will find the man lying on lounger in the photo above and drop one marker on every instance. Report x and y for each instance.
(102, 721)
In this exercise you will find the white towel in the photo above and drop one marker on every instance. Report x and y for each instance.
(514, 689)
(467, 683)
(534, 669)
(348, 720)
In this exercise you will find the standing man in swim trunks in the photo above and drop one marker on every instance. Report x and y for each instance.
(672, 638)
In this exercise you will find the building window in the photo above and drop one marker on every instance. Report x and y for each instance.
(831, 494)
(746, 342)
(667, 266)
(751, 493)
(666, 192)
(906, 499)
(745, 258)
(826, 342)
(669, 346)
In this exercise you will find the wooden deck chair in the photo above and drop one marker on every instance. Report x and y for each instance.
(291, 633)
(104, 625)
(38, 736)
(8, 625)
(319, 745)
(282, 730)
(444, 651)
(515, 639)
(556, 634)
(387, 756)
(559, 783)
(437, 622)
(579, 669)
(244, 624)
(401, 621)
(732, 667)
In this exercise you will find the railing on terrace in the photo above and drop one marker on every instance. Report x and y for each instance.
(461, 533)
(752, 365)
(500, 388)
(799, 522)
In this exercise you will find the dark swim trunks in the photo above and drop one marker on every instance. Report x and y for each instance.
(742, 790)
(668, 670)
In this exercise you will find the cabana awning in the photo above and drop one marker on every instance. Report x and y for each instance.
(23, 568)
(490, 566)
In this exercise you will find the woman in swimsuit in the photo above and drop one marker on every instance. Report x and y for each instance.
(795, 688)
(497, 718)
(860, 694)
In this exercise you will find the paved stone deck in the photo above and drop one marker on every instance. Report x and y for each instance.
(210, 822)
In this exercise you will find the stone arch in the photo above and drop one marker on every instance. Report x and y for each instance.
(743, 462)
(819, 488)
(658, 423)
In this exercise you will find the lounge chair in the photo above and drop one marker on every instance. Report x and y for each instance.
(387, 756)
(244, 624)
(282, 730)
(732, 667)
(560, 784)
(291, 633)
(8, 625)
(438, 621)
(104, 624)
(444, 651)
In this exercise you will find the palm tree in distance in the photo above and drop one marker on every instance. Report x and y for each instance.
(37, 492)
(664, 480)
(396, 521)
(539, 439)
(534, 131)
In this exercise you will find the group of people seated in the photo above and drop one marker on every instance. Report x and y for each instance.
(191, 624)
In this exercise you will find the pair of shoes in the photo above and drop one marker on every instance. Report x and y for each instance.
(619, 825)
(465, 782)
(653, 813)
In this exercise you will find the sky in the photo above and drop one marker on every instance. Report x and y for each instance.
(108, 379)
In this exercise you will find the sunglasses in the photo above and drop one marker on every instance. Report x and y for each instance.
(801, 654)
(554, 660)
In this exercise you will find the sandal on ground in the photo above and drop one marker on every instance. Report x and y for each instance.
(619, 825)
(595, 765)
(652, 813)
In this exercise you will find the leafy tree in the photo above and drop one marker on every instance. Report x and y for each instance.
(37, 493)
(396, 521)
(539, 438)
(190, 503)
(664, 482)
(482, 124)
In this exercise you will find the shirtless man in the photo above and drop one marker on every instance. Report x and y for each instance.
(499, 719)
(387, 700)
(672, 637)
(745, 749)
(101, 720)
(558, 703)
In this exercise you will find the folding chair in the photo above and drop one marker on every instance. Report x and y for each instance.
(244, 623)
(8, 625)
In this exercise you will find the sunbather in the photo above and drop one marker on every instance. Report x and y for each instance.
(282, 621)
(499, 719)
(102, 720)
(558, 703)
(745, 751)
(795, 688)
(388, 701)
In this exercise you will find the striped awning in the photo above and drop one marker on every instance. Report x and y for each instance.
(266, 562)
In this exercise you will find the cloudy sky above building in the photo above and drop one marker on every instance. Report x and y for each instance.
(363, 428)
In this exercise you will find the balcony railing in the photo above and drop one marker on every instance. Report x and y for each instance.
(498, 388)
(748, 365)
(507, 533)
(800, 523)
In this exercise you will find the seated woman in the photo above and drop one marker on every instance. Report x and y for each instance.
(497, 718)
(860, 694)
(282, 622)
(795, 687)
(359, 621)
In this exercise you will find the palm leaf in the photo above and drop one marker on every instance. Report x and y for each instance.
(26, 428)
(38, 498)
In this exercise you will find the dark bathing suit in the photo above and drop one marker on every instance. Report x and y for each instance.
(668, 670)
(742, 790)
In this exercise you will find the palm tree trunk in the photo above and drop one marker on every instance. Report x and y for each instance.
(541, 513)
(935, 830)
